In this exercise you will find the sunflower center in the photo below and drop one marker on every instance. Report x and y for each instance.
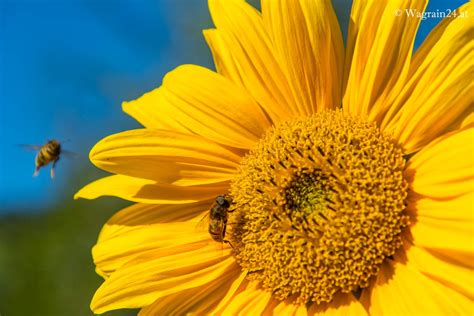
(320, 204)
(306, 192)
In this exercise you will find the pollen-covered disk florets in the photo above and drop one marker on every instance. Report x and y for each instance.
(320, 206)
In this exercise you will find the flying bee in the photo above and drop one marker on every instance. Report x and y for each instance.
(47, 153)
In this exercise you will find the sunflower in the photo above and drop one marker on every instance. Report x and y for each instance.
(348, 175)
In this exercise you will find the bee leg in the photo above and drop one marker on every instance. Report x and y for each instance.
(228, 242)
(36, 171)
(223, 235)
(52, 169)
(232, 209)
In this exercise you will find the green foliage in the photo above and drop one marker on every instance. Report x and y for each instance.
(46, 265)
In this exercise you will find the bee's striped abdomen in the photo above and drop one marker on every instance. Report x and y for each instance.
(42, 158)
(47, 153)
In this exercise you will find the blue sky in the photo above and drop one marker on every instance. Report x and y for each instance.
(66, 66)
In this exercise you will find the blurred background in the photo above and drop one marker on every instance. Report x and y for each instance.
(65, 68)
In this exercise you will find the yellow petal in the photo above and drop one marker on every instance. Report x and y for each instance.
(402, 290)
(113, 252)
(445, 227)
(380, 44)
(459, 258)
(251, 301)
(288, 308)
(443, 234)
(138, 215)
(214, 107)
(241, 32)
(342, 304)
(148, 191)
(196, 301)
(468, 121)
(445, 168)
(437, 97)
(308, 46)
(460, 208)
(236, 287)
(224, 59)
(355, 22)
(447, 273)
(209, 105)
(146, 110)
(165, 156)
(143, 280)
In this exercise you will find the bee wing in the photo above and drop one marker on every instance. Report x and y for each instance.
(69, 154)
(30, 147)
(203, 223)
